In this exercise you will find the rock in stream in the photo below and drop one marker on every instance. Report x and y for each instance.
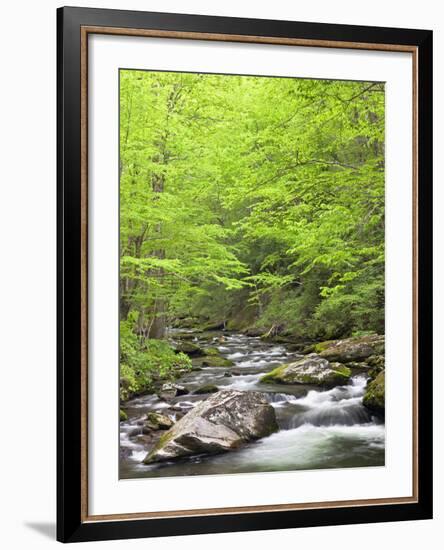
(220, 423)
(311, 369)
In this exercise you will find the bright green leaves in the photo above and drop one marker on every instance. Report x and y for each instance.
(248, 190)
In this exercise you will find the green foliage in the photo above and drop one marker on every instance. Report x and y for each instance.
(249, 199)
(142, 363)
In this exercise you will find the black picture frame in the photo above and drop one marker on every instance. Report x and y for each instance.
(72, 524)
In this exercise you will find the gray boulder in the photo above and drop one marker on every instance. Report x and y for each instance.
(220, 423)
(312, 369)
(352, 349)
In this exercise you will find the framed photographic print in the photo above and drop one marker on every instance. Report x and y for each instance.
(244, 285)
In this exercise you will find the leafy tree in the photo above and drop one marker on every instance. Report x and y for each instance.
(253, 200)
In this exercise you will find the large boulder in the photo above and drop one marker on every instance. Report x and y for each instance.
(374, 396)
(351, 349)
(311, 369)
(222, 422)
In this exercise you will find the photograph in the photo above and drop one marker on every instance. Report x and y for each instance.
(252, 274)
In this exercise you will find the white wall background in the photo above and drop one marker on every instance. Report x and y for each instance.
(27, 273)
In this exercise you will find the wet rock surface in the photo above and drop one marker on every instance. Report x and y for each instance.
(311, 369)
(353, 349)
(374, 397)
(220, 423)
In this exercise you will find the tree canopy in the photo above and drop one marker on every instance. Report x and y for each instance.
(254, 201)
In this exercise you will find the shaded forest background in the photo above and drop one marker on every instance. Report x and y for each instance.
(250, 203)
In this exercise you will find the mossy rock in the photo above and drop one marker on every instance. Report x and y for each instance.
(307, 349)
(313, 370)
(207, 388)
(190, 349)
(157, 421)
(212, 351)
(358, 365)
(273, 376)
(322, 346)
(216, 325)
(123, 416)
(186, 336)
(377, 362)
(187, 322)
(357, 348)
(374, 396)
(215, 361)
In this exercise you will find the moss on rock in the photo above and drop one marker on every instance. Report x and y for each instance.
(322, 346)
(189, 349)
(309, 370)
(374, 397)
(215, 361)
(273, 376)
(157, 421)
(212, 351)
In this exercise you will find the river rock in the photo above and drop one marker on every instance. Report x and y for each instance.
(169, 390)
(157, 421)
(311, 369)
(186, 322)
(374, 397)
(217, 325)
(123, 416)
(351, 349)
(135, 431)
(193, 350)
(186, 336)
(222, 422)
(376, 364)
(212, 351)
(216, 361)
(208, 388)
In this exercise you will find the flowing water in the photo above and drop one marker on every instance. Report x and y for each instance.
(318, 428)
